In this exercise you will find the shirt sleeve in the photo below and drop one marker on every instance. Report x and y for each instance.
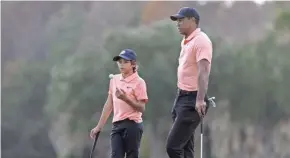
(203, 49)
(141, 91)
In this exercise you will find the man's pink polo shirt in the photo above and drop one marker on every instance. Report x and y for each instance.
(135, 88)
(195, 47)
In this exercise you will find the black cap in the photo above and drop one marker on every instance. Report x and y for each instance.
(126, 54)
(185, 12)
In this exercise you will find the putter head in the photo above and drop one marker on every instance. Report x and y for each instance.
(211, 102)
(111, 76)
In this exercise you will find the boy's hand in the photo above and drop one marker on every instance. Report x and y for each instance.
(121, 94)
(94, 131)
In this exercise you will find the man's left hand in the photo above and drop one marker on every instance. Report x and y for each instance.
(200, 107)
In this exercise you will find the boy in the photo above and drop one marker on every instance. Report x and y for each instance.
(127, 97)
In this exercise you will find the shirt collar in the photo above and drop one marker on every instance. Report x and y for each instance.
(130, 78)
(191, 36)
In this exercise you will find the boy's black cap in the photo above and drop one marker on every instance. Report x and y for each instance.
(185, 12)
(126, 54)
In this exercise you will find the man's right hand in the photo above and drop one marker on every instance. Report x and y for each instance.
(200, 107)
(94, 131)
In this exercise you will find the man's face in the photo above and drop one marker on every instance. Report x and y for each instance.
(184, 25)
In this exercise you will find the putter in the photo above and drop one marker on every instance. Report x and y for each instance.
(97, 135)
(210, 103)
(94, 145)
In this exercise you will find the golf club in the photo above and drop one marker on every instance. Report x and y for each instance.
(97, 135)
(210, 103)
(94, 145)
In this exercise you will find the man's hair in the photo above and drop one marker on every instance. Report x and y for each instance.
(196, 20)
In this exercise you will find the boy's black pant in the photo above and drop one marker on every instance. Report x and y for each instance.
(125, 139)
(180, 142)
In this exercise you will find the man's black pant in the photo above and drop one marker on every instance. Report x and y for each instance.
(180, 142)
(125, 139)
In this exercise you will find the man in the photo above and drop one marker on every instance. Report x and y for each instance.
(193, 75)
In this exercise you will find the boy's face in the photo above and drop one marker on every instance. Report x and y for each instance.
(125, 66)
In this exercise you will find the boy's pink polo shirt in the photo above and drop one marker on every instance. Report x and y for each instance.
(135, 88)
(195, 47)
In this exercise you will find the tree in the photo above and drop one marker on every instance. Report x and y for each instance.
(24, 127)
(253, 77)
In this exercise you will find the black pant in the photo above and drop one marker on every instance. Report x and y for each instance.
(180, 142)
(125, 139)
